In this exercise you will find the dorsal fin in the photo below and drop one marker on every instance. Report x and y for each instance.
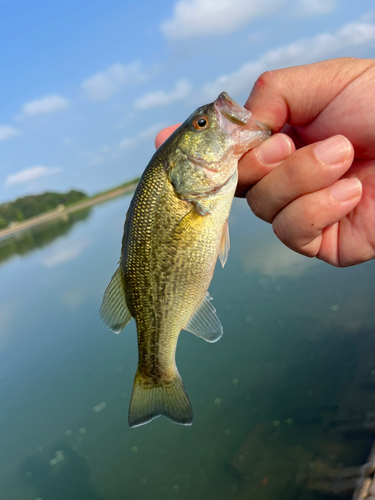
(204, 323)
(114, 311)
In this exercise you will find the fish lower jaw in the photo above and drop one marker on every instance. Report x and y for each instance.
(250, 139)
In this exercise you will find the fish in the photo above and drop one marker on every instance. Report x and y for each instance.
(175, 230)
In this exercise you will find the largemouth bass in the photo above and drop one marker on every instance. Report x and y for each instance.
(175, 229)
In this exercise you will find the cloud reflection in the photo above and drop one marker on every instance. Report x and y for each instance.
(271, 258)
(65, 253)
(74, 298)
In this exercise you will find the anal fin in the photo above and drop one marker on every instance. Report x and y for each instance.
(204, 323)
(114, 311)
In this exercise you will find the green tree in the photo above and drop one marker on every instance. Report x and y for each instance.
(30, 206)
(3, 222)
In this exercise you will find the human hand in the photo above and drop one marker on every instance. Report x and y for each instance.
(316, 204)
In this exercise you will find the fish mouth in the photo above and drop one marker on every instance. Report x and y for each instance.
(236, 113)
(232, 110)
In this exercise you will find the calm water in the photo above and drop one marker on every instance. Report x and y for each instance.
(279, 402)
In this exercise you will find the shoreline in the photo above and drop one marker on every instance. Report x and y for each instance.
(61, 213)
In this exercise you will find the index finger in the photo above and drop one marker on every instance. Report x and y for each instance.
(298, 94)
(164, 134)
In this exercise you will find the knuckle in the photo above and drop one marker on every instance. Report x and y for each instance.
(311, 249)
(293, 229)
(265, 79)
(269, 79)
(281, 229)
(255, 204)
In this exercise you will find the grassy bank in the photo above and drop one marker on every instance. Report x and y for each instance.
(63, 211)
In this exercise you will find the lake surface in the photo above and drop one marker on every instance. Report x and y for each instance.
(279, 402)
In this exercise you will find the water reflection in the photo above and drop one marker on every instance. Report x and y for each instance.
(65, 476)
(271, 258)
(65, 252)
(30, 240)
(282, 403)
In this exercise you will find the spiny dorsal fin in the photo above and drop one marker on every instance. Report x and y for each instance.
(114, 311)
(224, 245)
(204, 323)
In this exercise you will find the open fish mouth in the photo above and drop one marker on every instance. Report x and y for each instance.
(232, 110)
(236, 113)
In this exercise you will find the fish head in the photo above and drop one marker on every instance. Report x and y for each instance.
(207, 146)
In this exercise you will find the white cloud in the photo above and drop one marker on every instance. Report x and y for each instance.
(315, 7)
(369, 17)
(303, 51)
(148, 133)
(161, 98)
(7, 132)
(47, 104)
(30, 174)
(103, 85)
(201, 18)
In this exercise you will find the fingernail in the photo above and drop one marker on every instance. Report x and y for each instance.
(346, 189)
(333, 150)
(274, 149)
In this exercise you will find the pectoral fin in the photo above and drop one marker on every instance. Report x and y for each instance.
(114, 311)
(224, 245)
(202, 208)
(194, 217)
(204, 323)
(188, 222)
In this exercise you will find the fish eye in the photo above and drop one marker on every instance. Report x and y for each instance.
(201, 122)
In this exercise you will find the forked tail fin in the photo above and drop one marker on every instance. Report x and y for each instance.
(150, 400)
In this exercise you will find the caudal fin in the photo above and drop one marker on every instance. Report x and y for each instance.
(150, 400)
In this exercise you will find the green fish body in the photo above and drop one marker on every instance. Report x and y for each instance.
(175, 229)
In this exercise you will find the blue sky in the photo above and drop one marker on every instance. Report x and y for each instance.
(85, 86)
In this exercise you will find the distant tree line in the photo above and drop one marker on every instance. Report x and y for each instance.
(30, 206)
(28, 241)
